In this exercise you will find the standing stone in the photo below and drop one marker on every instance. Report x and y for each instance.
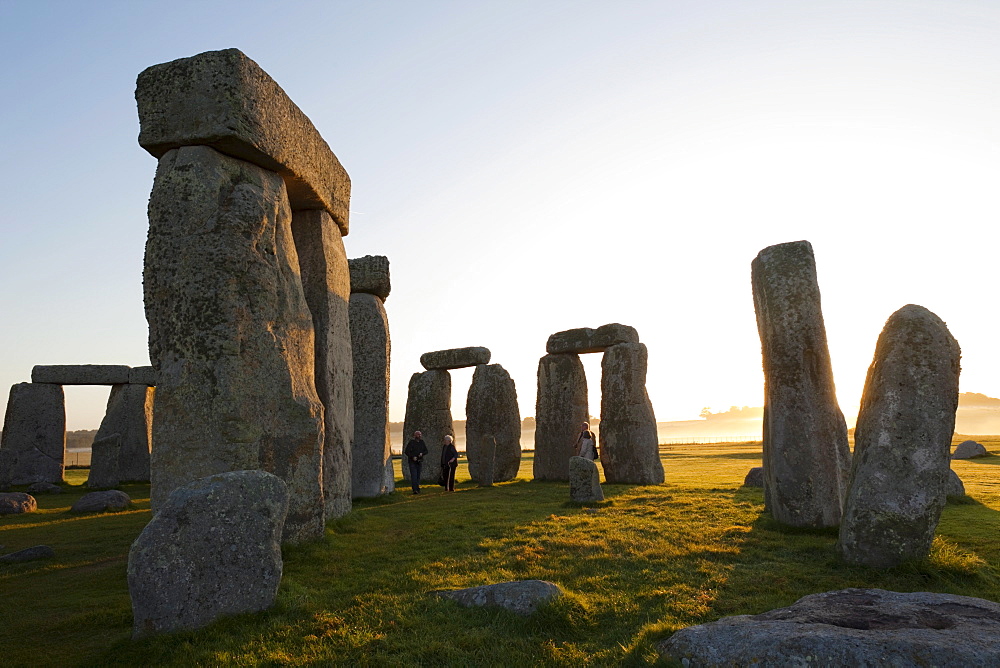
(34, 435)
(212, 550)
(630, 448)
(371, 346)
(486, 453)
(560, 410)
(130, 415)
(806, 455)
(327, 285)
(230, 333)
(428, 409)
(105, 455)
(902, 442)
(584, 480)
(491, 409)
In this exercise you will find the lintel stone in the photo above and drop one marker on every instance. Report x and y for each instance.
(142, 375)
(370, 274)
(224, 100)
(587, 340)
(455, 358)
(80, 374)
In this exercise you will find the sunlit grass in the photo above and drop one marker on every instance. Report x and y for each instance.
(647, 561)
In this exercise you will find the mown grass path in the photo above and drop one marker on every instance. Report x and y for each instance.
(645, 562)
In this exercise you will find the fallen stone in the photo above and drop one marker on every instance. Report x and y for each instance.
(34, 436)
(213, 549)
(584, 480)
(224, 100)
(130, 417)
(968, 450)
(521, 597)
(101, 502)
(455, 358)
(28, 554)
(370, 275)
(954, 485)
(16, 503)
(587, 340)
(142, 375)
(560, 411)
(371, 348)
(44, 488)
(428, 409)
(850, 627)
(230, 334)
(491, 409)
(901, 442)
(80, 374)
(630, 449)
(104, 462)
(755, 477)
(806, 455)
(327, 286)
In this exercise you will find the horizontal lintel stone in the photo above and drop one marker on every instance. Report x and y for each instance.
(587, 340)
(142, 375)
(81, 374)
(455, 358)
(370, 274)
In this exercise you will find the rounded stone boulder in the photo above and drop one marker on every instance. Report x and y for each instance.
(100, 502)
(755, 477)
(521, 597)
(16, 503)
(954, 486)
(968, 450)
(44, 488)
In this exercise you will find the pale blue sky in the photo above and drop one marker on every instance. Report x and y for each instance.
(530, 167)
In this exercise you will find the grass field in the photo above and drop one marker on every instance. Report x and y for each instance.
(647, 561)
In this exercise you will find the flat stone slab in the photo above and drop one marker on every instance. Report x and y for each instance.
(587, 340)
(968, 450)
(142, 375)
(455, 358)
(224, 100)
(16, 503)
(522, 597)
(850, 627)
(28, 554)
(99, 502)
(370, 275)
(80, 374)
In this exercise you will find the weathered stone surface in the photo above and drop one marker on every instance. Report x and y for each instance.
(428, 409)
(371, 347)
(521, 597)
(850, 627)
(370, 274)
(390, 477)
(104, 457)
(587, 340)
(901, 442)
(99, 502)
(486, 453)
(584, 480)
(327, 285)
(968, 450)
(230, 333)
(80, 374)
(455, 358)
(954, 486)
(28, 554)
(130, 416)
(225, 100)
(34, 435)
(142, 375)
(560, 410)
(212, 550)
(630, 448)
(491, 409)
(44, 488)
(16, 503)
(806, 455)
(755, 477)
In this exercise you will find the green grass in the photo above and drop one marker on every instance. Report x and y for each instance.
(647, 561)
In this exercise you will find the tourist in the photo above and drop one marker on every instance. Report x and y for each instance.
(414, 453)
(449, 463)
(586, 444)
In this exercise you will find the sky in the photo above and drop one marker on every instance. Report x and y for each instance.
(535, 166)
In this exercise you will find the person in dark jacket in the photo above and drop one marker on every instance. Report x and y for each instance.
(449, 463)
(414, 453)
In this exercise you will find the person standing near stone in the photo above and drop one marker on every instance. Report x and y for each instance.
(449, 463)
(414, 452)
(586, 443)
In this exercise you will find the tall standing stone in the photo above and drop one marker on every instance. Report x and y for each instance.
(491, 409)
(806, 455)
(130, 415)
(371, 348)
(327, 286)
(902, 442)
(428, 410)
(630, 448)
(104, 461)
(560, 410)
(33, 445)
(230, 333)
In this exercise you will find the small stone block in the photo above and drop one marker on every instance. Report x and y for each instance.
(370, 274)
(455, 358)
(80, 374)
